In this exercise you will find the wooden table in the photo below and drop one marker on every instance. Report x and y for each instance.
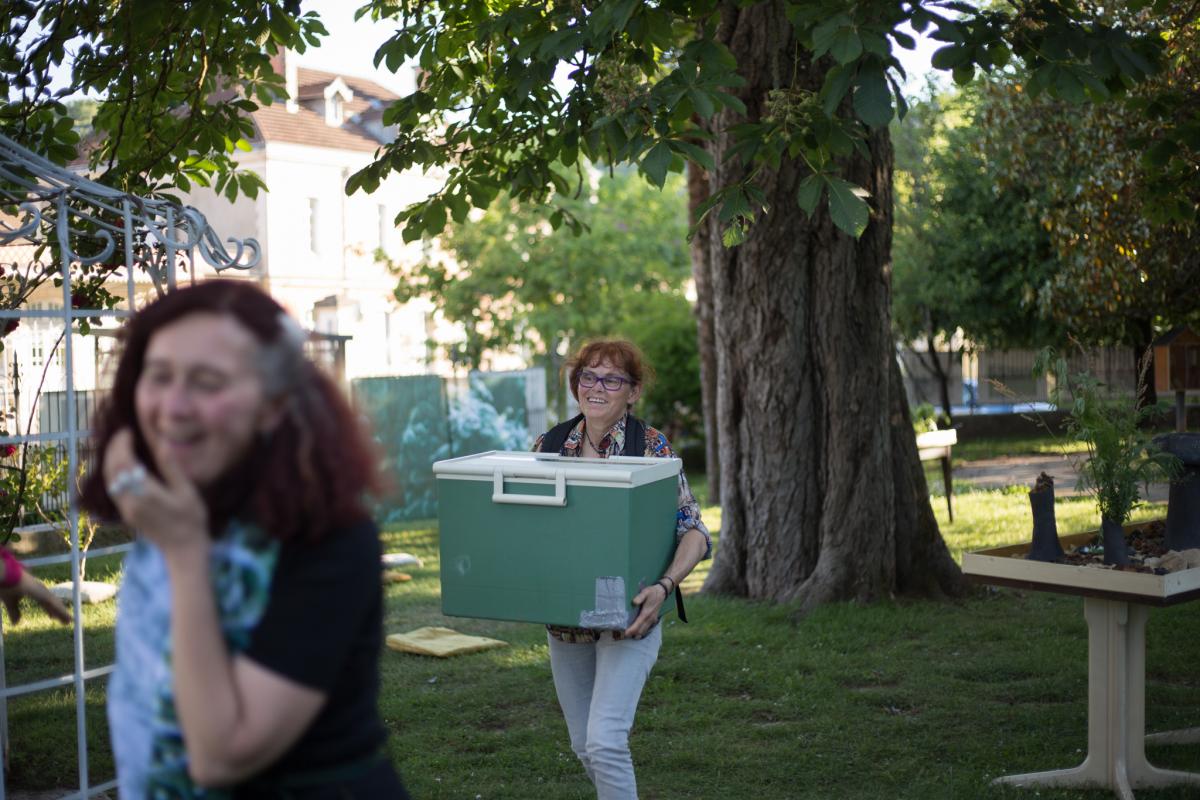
(933, 445)
(1116, 606)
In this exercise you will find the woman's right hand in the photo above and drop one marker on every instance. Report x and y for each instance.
(171, 513)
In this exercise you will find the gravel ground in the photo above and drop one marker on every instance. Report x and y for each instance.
(995, 473)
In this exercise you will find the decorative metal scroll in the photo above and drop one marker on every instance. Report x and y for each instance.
(44, 204)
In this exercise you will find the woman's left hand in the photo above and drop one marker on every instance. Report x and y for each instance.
(649, 600)
(171, 512)
(35, 590)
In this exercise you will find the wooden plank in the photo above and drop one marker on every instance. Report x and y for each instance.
(1007, 566)
(943, 438)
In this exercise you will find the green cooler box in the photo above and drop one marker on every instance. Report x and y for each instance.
(536, 537)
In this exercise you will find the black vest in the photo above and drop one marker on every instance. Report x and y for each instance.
(635, 436)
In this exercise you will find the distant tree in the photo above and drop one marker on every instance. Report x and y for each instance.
(1116, 187)
(969, 253)
(666, 333)
(511, 279)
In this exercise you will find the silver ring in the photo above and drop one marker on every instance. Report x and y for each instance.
(132, 480)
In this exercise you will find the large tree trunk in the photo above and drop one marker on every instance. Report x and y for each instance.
(698, 192)
(823, 496)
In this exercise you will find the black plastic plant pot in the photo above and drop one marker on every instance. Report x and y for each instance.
(1045, 545)
(1183, 502)
(1116, 551)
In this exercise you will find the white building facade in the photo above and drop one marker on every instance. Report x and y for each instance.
(319, 245)
(320, 253)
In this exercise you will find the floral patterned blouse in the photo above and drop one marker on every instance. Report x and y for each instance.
(613, 444)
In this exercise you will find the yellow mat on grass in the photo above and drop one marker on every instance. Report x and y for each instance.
(440, 642)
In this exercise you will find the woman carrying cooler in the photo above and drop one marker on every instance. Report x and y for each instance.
(599, 675)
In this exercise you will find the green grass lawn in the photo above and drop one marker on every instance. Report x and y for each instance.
(1045, 443)
(968, 449)
(903, 699)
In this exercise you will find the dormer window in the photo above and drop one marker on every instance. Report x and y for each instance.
(337, 94)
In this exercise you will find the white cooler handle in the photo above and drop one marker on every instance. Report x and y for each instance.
(559, 498)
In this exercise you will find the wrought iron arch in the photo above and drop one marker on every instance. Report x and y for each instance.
(60, 227)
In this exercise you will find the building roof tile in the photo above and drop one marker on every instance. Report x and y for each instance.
(311, 83)
(276, 124)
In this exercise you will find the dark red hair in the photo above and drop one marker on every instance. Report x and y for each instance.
(313, 472)
(621, 353)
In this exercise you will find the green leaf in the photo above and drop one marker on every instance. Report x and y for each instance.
(714, 55)
(1038, 81)
(920, 18)
(702, 102)
(809, 193)
(1102, 62)
(1095, 87)
(875, 43)
(433, 221)
(730, 101)
(1131, 63)
(1159, 153)
(656, 163)
(949, 57)
(901, 103)
(846, 46)
(1068, 86)
(847, 207)
(825, 34)
(410, 232)
(734, 235)
(999, 54)
(693, 153)
(735, 205)
(873, 99)
(837, 83)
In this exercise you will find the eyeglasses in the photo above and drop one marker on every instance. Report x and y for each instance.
(611, 383)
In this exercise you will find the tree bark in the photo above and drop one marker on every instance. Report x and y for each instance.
(823, 496)
(698, 192)
(1143, 363)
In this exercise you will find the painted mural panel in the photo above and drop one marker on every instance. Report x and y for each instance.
(420, 419)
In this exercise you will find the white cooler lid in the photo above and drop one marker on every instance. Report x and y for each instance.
(628, 471)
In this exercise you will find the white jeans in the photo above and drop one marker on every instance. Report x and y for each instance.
(598, 685)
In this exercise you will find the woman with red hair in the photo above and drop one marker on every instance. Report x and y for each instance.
(250, 618)
(599, 675)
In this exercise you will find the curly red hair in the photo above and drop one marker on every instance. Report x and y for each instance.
(621, 353)
(312, 473)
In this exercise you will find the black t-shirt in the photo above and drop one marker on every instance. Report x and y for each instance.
(323, 628)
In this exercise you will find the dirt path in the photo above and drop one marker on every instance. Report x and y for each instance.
(996, 473)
